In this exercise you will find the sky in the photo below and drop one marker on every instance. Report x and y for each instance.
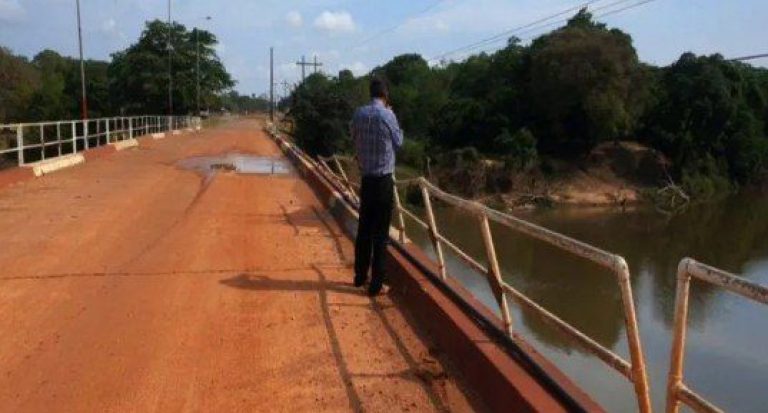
(362, 34)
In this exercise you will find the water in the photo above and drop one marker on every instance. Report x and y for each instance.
(237, 162)
(727, 348)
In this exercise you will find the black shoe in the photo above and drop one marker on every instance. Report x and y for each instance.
(360, 280)
(375, 287)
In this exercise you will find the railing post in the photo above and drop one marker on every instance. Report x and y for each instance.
(639, 375)
(20, 143)
(433, 229)
(399, 207)
(494, 273)
(85, 134)
(42, 143)
(58, 136)
(107, 132)
(130, 128)
(343, 174)
(170, 124)
(675, 377)
(74, 137)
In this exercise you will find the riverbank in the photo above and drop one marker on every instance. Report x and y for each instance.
(617, 174)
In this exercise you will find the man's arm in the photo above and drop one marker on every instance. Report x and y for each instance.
(395, 133)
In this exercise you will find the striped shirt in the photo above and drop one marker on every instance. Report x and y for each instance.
(377, 136)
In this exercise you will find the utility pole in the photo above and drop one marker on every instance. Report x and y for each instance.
(303, 63)
(286, 87)
(84, 101)
(272, 84)
(170, 63)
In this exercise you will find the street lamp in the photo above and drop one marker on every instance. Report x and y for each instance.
(197, 63)
(84, 101)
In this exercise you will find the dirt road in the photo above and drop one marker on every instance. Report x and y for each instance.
(129, 284)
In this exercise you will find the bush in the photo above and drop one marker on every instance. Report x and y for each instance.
(518, 150)
(413, 153)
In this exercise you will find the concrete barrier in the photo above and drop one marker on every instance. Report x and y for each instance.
(125, 144)
(159, 135)
(506, 373)
(51, 165)
(176, 132)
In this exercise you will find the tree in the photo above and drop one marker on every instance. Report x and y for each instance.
(139, 74)
(710, 118)
(321, 111)
(18, 82)
(586, 86)
(417, 93)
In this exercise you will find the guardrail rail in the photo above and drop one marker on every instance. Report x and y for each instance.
(688, 269)
(634, 369)
(32, 142)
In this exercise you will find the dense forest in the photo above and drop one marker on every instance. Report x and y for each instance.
(135, 81)
(532, 108)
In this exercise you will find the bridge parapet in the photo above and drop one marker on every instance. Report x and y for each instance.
(26, 143)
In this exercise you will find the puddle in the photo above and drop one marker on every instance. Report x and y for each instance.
(237, 163)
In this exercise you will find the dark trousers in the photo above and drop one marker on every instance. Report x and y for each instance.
(373, 231)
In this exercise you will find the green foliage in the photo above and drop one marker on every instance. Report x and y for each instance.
(138, 75)
(518, 150)
(551, 103)
(586, 86)
(18, 82)
(413, 153)
(322, 108)
(134, 82)
(48, 87)
(711, 112)
(237, 103)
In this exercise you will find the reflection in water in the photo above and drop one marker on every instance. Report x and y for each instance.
(725, 332)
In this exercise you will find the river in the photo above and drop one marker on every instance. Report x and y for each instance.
(727, 348)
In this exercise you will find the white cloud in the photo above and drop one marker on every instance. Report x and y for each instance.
(11, 11)
(294, 19)
(335, 22)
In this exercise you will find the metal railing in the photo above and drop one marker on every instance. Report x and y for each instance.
(25, 143)
(634, 370)
(677, 391)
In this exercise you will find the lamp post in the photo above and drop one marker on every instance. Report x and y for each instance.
(84, 101)
(197, 63)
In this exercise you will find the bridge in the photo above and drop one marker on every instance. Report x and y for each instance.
(169, 268)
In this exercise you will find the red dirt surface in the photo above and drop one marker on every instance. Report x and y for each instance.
(129, 284)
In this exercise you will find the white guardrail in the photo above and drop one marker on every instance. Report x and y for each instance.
(25, 143)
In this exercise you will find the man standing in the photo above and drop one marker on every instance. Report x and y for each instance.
(377, 136)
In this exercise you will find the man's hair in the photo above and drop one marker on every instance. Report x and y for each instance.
(378, 88)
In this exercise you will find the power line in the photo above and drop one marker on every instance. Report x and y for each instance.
(752, 57)
(511, 31)
(396, 26)
(631, 6)
(535, 26)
